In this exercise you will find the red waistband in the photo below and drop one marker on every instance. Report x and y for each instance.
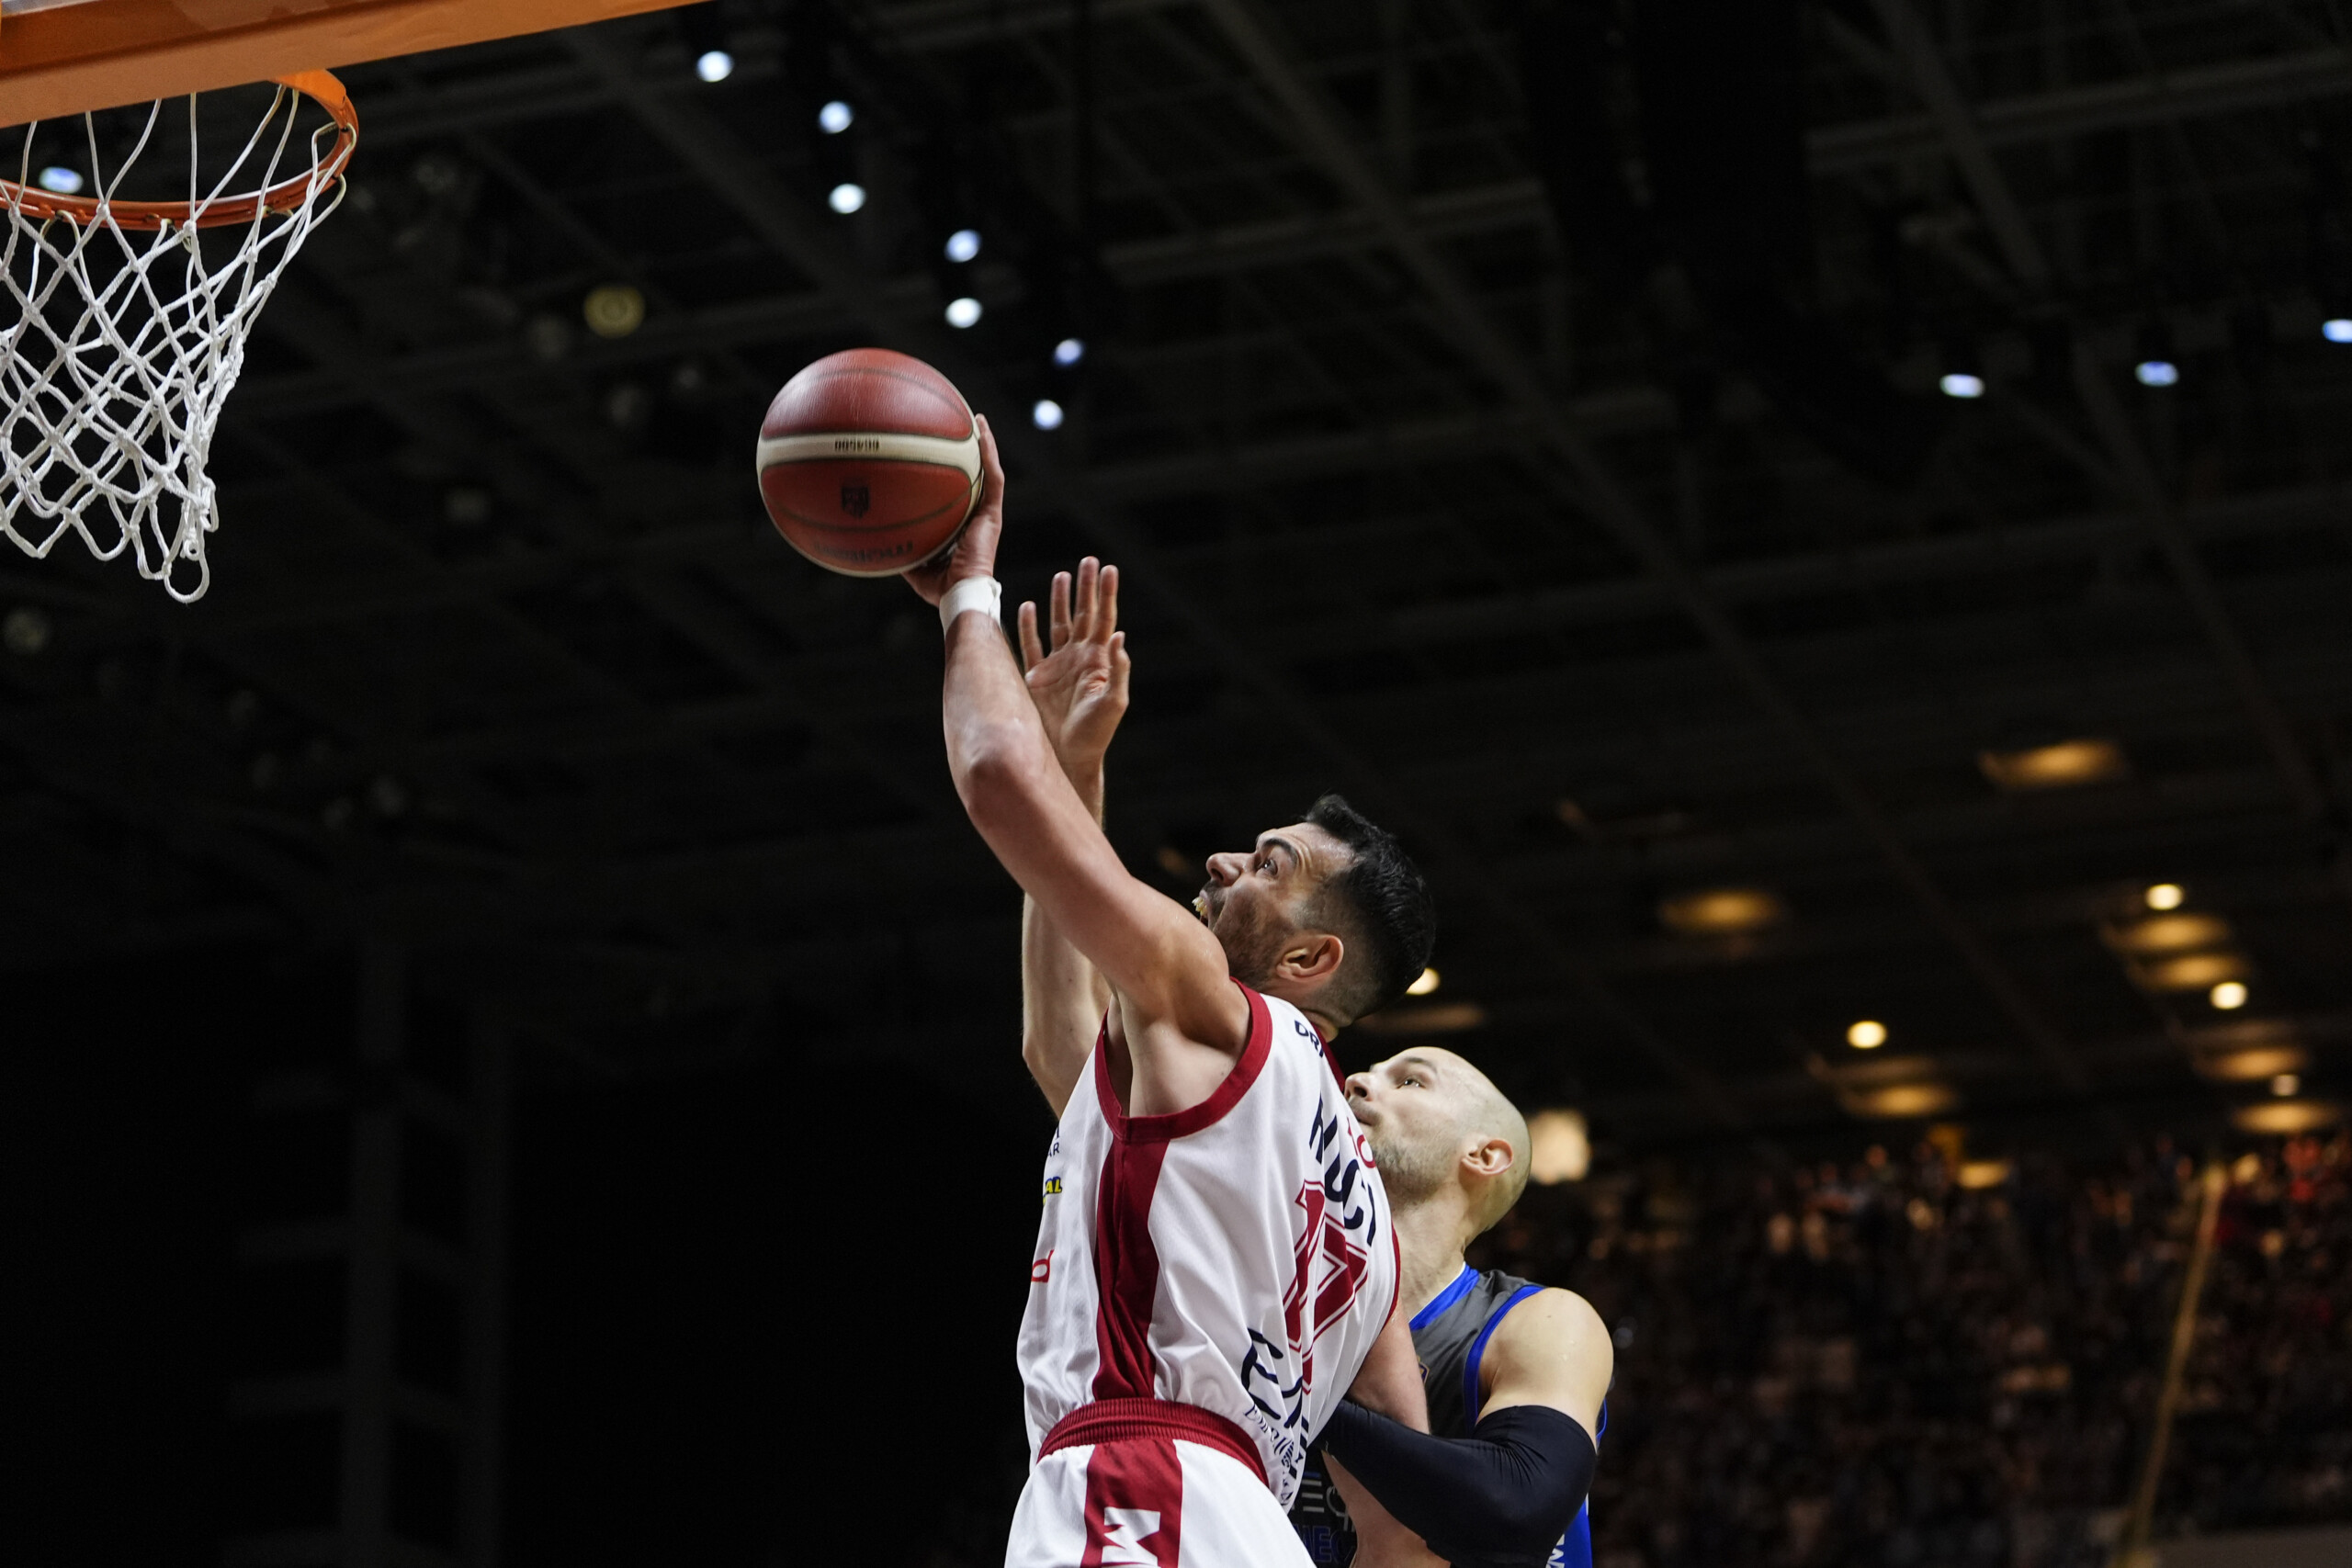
(1121, 1420)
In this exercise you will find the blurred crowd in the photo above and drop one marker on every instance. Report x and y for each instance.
(1920, 1361)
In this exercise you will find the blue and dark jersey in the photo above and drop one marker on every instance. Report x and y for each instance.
(1450, 1337)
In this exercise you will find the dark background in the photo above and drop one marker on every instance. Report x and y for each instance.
(1523, 416)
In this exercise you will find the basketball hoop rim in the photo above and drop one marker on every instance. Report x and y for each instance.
(320, 86)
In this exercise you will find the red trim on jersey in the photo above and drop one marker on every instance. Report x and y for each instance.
(1198, 1118)
(1125, 1420)
(1126, 1269)
(1331, 1060)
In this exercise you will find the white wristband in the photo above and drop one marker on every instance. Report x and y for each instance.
(972, 594)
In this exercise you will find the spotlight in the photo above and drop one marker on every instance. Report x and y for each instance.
(846, 197)
(61, 180)
(707, 42)
(1069, 351)
(1046, 415)
(2335, 329)
(835, 118)
(1867, 1035)
(1960, 384)
(2285, 1085)
(2163, 896)
(614, 310)
(25, 631)
(963, 312)
(1423, 985)
(963, 244)
(2229, 996)
(2155, 364)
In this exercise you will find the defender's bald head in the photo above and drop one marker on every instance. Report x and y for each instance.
(1486, 1113)
(1429, 1112)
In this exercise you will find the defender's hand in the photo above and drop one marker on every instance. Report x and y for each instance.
(974, 552)
(1081, 687)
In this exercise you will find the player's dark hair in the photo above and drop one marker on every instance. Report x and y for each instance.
(1379, 906)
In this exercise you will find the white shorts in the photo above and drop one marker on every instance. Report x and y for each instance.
(1150, 1502)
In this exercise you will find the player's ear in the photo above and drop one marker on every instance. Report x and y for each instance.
(1490, 1156)
(1313, 955)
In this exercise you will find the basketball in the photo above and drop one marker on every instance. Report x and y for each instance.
(869, 462)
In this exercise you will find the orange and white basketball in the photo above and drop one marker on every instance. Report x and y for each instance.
(869, 462)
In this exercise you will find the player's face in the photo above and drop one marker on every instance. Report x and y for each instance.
(1408, 1108)
(1252, 898)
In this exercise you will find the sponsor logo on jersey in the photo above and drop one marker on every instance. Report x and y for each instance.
(1329, 1270)
(1053, 1189)
(1124, 1530)
(1043, 1269)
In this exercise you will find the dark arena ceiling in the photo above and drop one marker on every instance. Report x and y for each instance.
(1521, 417)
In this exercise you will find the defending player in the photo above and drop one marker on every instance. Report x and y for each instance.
(1517, 1375)
(1215, 1264)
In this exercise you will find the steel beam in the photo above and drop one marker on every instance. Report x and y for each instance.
(1922, 61)
(1601, 495)
(730, 170)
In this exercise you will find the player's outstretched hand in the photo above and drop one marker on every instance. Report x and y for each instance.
(974, 552)
(1081, 685)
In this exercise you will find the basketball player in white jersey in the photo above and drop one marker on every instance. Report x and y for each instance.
(1216, 1265)
(1517, 1375)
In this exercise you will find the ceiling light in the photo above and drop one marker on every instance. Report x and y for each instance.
(1960, 384)
(1559, 1147)
(835, 118)
(1901, 1102)
(2156, 373)
(2285, 1085)
(2229, 996)
(963, 244)
(25, 631)
(2060, 766)
(1423, 984)
(58, 179)
(1978, 1174)
(1722, 911)
(1442, 1018)
(614, 310)
(2191, 971)
(2163, 896)
(1069, 351)
(2169, 933)
(2336, 329)
(715, 65)
(2286, 1116)
(963, 312)
(846, 197)
(1867, 1035)
(2253, 1065)
(1046, 415)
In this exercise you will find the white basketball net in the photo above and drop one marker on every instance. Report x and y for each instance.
(123, 343)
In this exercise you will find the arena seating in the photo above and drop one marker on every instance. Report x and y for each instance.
(1870, 1363)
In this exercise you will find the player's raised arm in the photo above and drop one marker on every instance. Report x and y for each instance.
(1078, 682)
(1163, 963)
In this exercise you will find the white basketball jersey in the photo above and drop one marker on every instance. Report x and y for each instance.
(1236, 1256)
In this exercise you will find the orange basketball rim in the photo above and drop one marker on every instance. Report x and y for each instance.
(66, 57)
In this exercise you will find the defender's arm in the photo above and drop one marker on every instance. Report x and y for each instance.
(1389, 1381)
(1508, 1491)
